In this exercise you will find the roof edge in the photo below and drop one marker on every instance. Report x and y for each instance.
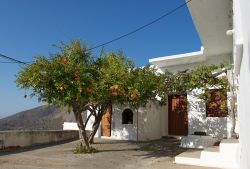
(178, 56)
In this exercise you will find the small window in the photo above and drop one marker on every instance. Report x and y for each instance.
(217, 104)
(127, 116)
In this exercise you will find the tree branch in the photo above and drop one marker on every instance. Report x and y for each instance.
(86, 122)
(219, 73)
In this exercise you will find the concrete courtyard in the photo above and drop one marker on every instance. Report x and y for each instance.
(157, 154)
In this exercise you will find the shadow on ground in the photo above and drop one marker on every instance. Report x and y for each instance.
(165, 147)
(34, 147)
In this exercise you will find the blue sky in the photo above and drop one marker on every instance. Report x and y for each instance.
(29, 27)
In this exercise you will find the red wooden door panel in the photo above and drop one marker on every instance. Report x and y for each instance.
(106, 122)
(177, 115)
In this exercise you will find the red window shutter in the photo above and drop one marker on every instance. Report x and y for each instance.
(215, 104)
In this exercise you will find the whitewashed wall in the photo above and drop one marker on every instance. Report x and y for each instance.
(70, 126)
(197, 120)
(152, 123)
(244, 84)
(73, 125)
(123, 131)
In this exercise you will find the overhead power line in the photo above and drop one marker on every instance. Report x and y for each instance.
(129, 33)
(11, 59)
(141, 27)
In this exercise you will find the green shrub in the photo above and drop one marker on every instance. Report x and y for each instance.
(80, 149)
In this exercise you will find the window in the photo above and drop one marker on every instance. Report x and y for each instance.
(127, 116)
(217, 104)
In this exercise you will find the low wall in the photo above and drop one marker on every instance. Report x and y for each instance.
(195, 141)
(30, 138)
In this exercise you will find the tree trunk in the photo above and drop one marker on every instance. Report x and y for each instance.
(95, 127)
(82, 132)
(97, 122)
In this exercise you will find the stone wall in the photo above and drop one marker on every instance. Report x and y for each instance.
(30, 138)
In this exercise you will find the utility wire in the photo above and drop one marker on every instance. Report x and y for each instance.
(11, 59)
(142, 27)
(129, 33)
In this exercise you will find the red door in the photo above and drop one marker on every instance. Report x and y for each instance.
(106, 122)
(177, 115)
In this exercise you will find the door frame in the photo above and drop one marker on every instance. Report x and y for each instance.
(169, 114)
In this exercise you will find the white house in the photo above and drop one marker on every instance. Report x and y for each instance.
(224, 30)
(155, 121)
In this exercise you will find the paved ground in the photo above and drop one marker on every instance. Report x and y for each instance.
(157, 154)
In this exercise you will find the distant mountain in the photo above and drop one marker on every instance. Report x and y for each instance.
(39, 118)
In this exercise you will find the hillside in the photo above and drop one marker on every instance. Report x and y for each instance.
(39, 118)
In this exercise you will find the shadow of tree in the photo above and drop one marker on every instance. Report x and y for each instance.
(165, 147)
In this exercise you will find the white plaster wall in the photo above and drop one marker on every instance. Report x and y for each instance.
(73, 125)
(152, 123)
(90, 123)
(164, 118)
(197, 120)
(123, 131)
(70, 126)
(244, 92)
